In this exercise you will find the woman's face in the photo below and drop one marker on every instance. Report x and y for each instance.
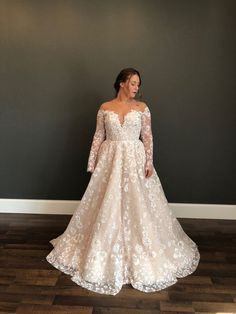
(131, 85)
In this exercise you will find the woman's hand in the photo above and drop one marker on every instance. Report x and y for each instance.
(148, 169)
(90, 169)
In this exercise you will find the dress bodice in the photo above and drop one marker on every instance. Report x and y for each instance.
(130, 129)
(136, 124)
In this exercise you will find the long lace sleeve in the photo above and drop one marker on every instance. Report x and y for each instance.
(146, 136)
(98, 138)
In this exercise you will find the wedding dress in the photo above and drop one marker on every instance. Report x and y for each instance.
(123, 231)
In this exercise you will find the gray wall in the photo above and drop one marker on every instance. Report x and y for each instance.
(58, 62)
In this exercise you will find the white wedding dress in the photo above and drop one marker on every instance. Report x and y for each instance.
(123, 231)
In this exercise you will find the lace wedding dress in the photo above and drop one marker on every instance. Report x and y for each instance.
(123, 231)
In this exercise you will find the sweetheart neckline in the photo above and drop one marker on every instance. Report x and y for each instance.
(117, 114)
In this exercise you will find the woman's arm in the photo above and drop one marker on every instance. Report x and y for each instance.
(147, 138)
(98, 138)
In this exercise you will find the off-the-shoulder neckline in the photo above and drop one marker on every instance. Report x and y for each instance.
(145, 111)
(109, 110)
(123, 116)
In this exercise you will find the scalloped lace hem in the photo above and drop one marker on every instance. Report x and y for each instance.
(113, 288)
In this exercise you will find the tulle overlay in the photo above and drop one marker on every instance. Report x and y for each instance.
(123, 231)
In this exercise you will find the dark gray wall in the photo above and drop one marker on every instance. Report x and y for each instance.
(58, 62)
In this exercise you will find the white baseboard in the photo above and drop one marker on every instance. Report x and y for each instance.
(65, 207)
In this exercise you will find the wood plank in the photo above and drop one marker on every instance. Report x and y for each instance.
(52, 309)
(174, 306)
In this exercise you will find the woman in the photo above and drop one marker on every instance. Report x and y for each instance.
(123, 231)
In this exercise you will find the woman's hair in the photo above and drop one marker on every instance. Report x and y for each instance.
(123, 76)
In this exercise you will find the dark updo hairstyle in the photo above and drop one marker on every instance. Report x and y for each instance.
(123, 76)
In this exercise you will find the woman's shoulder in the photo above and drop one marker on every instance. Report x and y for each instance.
(142, 105)
(106, 105)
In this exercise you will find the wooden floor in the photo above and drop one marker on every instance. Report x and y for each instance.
(29, 284)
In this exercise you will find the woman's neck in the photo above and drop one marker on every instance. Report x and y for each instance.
(124, 99)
